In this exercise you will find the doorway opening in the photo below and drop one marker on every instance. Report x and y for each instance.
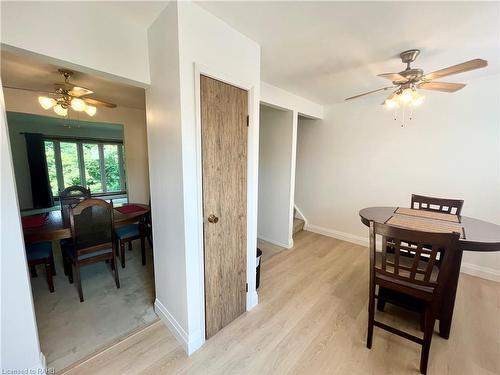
(86, 132)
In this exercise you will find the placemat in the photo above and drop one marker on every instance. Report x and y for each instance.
(33, 221)
(424, 225)
(428, 214)
(130, 208)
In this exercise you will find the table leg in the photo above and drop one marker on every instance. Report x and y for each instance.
(448, 303)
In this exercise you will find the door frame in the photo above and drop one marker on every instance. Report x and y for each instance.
(252, 182)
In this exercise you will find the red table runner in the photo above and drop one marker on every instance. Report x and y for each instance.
(130, 208)
(33, 221)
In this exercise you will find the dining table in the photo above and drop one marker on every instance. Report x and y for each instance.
(476, 235)
(53, 227)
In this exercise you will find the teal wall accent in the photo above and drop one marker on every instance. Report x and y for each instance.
(28, 123)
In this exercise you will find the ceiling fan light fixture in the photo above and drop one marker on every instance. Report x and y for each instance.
(417, 100)
(60, 110)
(46, 102)
(406, 96)
(78, 104)
(391, 103)
(90, 110)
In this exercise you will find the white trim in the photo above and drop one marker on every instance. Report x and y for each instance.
(363, 241)
(172, 324)
(277, 243)
(479, 271)
(190, 345)
(252, 182)
(301, 216)
(293, 160)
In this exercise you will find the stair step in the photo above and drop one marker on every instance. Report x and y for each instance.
(298, 225)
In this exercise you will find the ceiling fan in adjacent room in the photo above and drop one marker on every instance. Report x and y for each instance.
(408, 82)
(67, 95)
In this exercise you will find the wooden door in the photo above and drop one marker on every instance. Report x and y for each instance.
(224, 111)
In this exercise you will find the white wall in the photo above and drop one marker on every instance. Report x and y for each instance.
(277, 97)
(19, 337)
(135, 141)
(81, 35)
(275, 176)
(165, 163)
(202, 40)
(358, 156)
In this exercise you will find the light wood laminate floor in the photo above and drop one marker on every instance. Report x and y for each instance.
(311, 319)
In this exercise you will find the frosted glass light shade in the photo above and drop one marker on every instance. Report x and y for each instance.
(46, 102)
(90, 110)
(78, 104)
(60, 110)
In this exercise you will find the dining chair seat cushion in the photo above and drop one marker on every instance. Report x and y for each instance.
(39, 250)
(68, 252)
(131, 230)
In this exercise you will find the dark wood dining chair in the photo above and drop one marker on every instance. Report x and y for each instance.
(93, 239)
(449, 206)
(416, 278)
(41, 253)
(70, 197)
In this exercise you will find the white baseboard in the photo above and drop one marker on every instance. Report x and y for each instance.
(468, 268)
(252, 300)
(358, 240)
(482, 272)
(277, 243)
(189, 344)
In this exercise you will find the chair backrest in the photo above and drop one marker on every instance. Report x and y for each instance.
(70, 197)
(91, 223)
(450, 206)
(408, 257)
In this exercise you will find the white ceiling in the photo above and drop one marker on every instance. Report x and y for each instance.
(327, 51)
(30, 72)
(140, 13)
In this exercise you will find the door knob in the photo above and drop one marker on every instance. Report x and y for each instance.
(213, 219)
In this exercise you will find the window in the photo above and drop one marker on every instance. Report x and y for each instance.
(96, 165)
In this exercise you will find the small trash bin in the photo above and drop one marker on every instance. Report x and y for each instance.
(257, 278)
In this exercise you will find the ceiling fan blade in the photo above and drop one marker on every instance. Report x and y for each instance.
(78, 91)
(370, 92)
(99, 103)
(455, 69)
(394, 77)
(442, 86)
(31, 90)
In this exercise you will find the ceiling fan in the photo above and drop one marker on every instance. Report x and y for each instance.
(67, 95)
(409, 80)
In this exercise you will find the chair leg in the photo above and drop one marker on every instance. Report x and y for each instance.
(143, 250)
(122, 253)
(48, 270)
(33, 271)
(52, 265)
(76, 270)
(150, 240)
(426, 347)
(371, 315)
(115, 267)
(129, 245)
(70, 270)
(65, 267)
